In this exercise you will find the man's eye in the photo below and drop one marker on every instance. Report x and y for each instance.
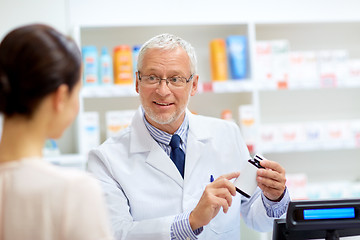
(152, 78)
(175, 79)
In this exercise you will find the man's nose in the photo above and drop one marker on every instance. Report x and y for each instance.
(163, 87)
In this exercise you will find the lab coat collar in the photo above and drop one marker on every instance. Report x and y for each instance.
(141, 142)
(198, 136)
(197, 128)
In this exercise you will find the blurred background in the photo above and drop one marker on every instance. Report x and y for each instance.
(288, 72)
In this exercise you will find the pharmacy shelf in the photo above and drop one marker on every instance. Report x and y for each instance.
(296, 148)
(295, 102)
(230, 86)
(323, 27)
(108, 91)
(311, 85)
(310, 136)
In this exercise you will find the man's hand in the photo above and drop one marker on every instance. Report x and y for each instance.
(271, 180)
(216, 195)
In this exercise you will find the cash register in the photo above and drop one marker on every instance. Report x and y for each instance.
(319, 219)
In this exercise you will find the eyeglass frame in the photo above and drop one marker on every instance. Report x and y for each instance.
(167, 79)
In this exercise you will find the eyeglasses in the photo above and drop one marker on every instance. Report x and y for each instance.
(171, 82)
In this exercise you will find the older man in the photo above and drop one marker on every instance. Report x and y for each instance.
(156, 174)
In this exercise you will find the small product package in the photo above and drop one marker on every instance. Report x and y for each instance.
(246, 183)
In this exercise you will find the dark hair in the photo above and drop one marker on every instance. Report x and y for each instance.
(34, 61)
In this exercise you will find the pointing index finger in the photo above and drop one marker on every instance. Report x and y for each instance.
(230, 176)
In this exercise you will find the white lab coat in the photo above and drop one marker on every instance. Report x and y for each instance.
(145, 191)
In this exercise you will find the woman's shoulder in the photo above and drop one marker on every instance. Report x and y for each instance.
(61, 177)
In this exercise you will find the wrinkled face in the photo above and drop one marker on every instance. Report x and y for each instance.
(165, 107)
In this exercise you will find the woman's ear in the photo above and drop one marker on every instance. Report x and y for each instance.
(60, 97)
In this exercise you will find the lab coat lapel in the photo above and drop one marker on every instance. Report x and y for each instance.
(161, 161)
(194, 151)
(198, 137)
(142, 142)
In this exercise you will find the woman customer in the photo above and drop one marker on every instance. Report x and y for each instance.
(40, 73)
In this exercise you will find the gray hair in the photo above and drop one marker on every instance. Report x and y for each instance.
(168, 41)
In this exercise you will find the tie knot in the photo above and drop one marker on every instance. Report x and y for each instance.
(175, 141)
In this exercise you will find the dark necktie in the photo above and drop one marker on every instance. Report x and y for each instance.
(177, 155)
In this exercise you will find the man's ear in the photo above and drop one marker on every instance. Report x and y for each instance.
(137, 82)
(60, 97)
(194, 85)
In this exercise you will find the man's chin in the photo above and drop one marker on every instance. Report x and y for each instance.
(163, 118)
(162, 121)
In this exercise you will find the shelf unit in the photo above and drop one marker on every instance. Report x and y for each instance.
(322, 29)
(314, 103)
(103, 99)
(308, 25)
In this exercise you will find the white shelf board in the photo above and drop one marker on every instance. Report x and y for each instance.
(229, 86)
(111, 91)
(306, 148)
(108, 91)
(311, 85)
